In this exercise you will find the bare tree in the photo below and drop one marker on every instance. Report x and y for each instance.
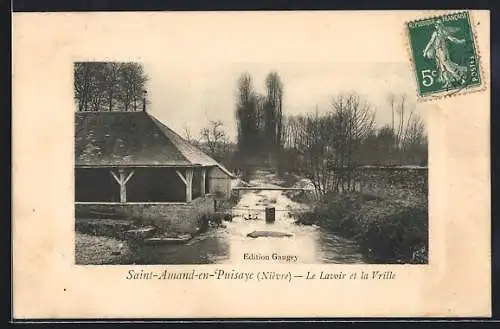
(82, 85)
(414, 144)
(329, 145)
(410, 128)
(401, 124)
(214, 137)
(392, 99)
(329, 148)
(308, 136)
(188, 135)
(111, 86)
(354, 121)
(112, 76)
(414, 133)
(132, 79)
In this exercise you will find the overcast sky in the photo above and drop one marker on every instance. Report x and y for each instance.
(194, 61)
(191, 96)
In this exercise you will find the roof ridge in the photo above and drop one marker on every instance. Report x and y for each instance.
(179, 136)
(158, 122)
(123, 138)
(191, 146)
(155, 123)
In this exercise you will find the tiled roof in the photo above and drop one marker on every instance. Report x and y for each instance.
(132, 139)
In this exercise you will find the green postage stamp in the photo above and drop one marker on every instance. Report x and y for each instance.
(445, 55)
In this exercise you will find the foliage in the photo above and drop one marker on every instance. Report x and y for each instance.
(213, 220)
(273, 114)
(387, 230)
(328, 148)
(331, 211)
(247, 117)
(225, 205)
(396, 233)
(260, 119)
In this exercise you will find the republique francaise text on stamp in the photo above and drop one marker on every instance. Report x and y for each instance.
(445, 55)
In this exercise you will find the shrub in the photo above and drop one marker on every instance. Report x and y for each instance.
(226, 204)
(386, 230)
(306, 218)
(203, 223)
(247, 173)
(401, 236)
(211, 220)
(330, 213)
(215, 218)
(305, 197)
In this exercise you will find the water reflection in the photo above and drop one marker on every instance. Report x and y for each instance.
(208, 248)
(231, 246)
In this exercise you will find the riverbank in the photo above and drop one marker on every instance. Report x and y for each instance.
(390, 225)
(100, 250)
(307, 244)
(387, 231)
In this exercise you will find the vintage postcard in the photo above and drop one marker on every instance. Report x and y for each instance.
(251, 164)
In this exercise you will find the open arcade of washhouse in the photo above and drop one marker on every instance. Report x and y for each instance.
(132, 164)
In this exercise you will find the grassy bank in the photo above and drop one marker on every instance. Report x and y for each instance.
(388, 230)
(100, 250)
(388, 221)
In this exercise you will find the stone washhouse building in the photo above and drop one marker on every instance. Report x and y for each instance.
(130, 165)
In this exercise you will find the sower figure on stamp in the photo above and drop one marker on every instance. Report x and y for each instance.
(437, 49)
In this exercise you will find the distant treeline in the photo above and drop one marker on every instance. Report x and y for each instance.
(324, 146)
(109, 86)
(333, 140)
(345, 137)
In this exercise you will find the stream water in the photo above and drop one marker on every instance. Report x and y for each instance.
(230, 244)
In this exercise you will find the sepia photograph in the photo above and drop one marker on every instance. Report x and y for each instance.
(187, 159)
(234, 163)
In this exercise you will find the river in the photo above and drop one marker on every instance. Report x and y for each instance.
(230, 244)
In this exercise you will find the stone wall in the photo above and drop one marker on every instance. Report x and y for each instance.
(397, 178)
(171, 217)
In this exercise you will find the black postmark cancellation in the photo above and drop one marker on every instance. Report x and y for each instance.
(272, 257)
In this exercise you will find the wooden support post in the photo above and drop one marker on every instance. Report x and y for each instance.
(188, 181)
(189, 184)
(203, 181)
(123, 187)
(181, 176)
(122, 180)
